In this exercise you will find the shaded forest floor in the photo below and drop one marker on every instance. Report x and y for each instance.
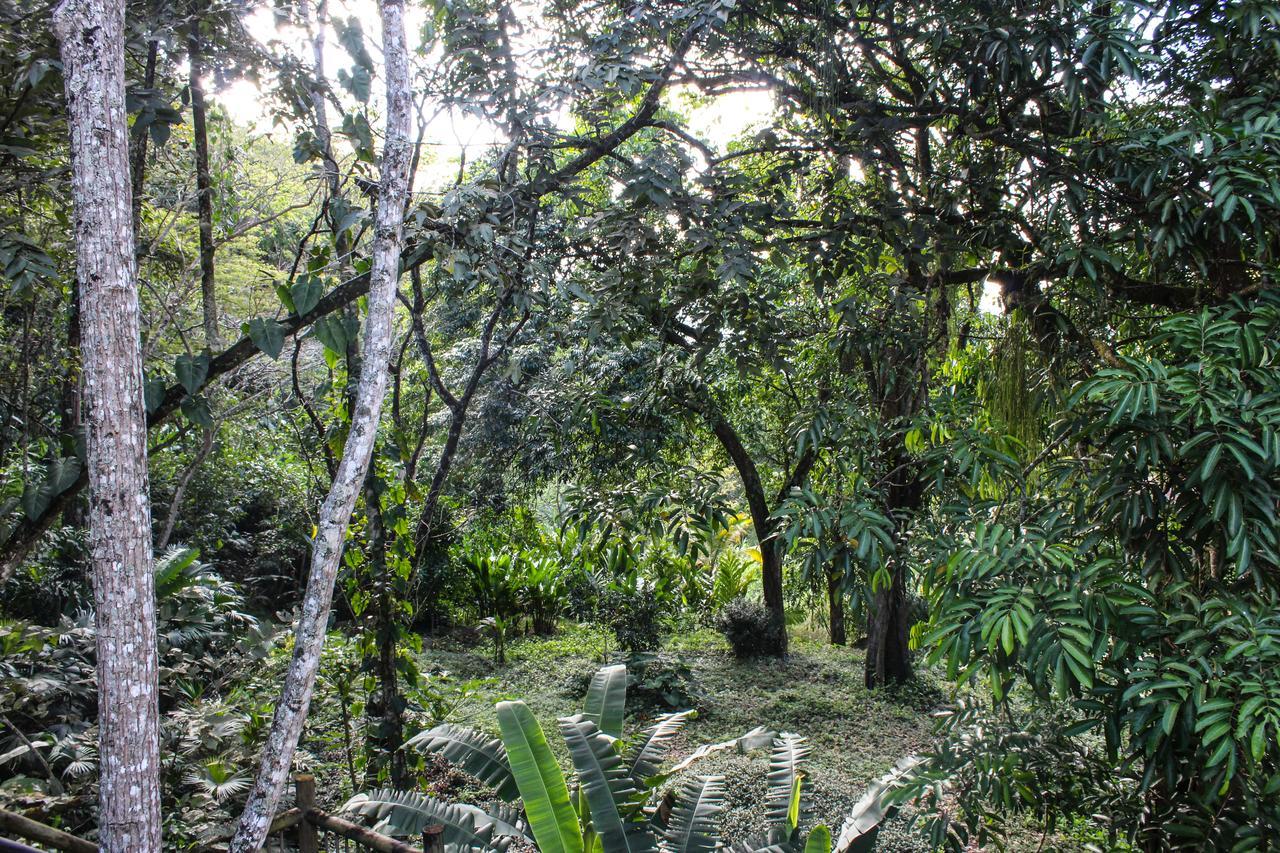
(855, 735)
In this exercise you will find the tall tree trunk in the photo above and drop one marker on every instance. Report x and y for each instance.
(888, 634)
(71, 400)
(385, 725)
(335, 514)
(771, 547)
(91, 33)
(204, 188)
(835, 609)
(428, 527)
(889, 625)
(140, 138)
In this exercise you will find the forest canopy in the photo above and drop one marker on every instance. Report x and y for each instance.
(866, 414)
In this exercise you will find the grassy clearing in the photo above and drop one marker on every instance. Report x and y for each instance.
(855, 734)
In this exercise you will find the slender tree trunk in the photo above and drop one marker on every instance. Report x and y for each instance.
(335, 514)
(889, 625)
(771, 547)
(91, 33)
(427, 521)
(180, 489)
(140, 138)
(427, 527)
(835, 609)
(204, 188)
(383, 709)
(71, 402)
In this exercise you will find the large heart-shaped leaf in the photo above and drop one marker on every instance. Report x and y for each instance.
(305, 293)
(267, 335)
(191, 371)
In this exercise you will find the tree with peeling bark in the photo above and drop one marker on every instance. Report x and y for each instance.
(91, 33)
(335, 513)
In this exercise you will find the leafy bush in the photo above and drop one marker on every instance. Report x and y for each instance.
(748, 628)
(635, 615)
(511, 589)
(55, 583)
(246, 511)
(1137, 582)
(662, 680)
(733, 575)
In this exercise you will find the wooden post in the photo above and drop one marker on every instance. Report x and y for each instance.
(304, 787)
(431, 839)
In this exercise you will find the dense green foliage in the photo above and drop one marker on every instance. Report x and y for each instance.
(947, 330)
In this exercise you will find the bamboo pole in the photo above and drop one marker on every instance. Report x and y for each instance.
(25, 827)
(359, 834)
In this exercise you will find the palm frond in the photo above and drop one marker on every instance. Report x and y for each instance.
(754, 739)
(609, 790)
(646, 755)
(785, 778)
(862, 825)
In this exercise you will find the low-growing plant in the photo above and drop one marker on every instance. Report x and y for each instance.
(634, 611)
(746, 625)
(206, 642)
(618, 801)
(662, 680)
(515, 589)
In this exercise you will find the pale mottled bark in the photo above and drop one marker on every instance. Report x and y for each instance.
(335, 514)
(91, 35)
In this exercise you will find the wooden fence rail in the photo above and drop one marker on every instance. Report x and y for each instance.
(306, 821)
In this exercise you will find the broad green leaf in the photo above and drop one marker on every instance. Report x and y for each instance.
(483, 757)
(819, 840)
(306, 293)
(408, 813)
(267, 335)
(153, 393)
(191, 371)
(606, 699)
(606, 785)
(542, 787)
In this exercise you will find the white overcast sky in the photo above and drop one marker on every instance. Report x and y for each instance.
(724, 119)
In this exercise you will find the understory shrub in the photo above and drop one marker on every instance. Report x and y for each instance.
(748, 628)
(635, 616)
(662, 680)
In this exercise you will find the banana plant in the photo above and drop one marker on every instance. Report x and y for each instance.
(862, 825)
(615, 801)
